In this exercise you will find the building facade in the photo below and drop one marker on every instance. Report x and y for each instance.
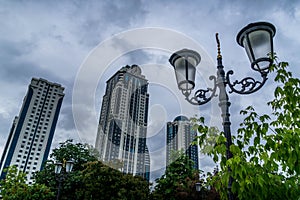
(31, 134)
(180, 135)
(122, 128)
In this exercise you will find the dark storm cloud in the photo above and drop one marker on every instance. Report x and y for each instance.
(66, 120)
(14, 65)
(23, 72)
(96, 20)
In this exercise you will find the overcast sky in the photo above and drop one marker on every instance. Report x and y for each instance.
(80, 44)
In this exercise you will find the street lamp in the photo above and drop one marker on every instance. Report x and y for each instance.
(198, 187)
(257, 39)
(61, 174)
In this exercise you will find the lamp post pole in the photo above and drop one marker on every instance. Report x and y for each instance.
(224, 105)
(257, 39)
(59, 187)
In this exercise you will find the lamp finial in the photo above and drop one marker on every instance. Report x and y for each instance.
(218, 45)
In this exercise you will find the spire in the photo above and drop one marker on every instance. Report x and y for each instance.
(219, 47)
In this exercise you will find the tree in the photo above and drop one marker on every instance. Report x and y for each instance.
(179, 180)
(100, 181)
(266, 148)
(90, 178)
(80, 154)
(13, 187)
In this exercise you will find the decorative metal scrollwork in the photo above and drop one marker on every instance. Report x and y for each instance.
(202, 96)
(247, 85)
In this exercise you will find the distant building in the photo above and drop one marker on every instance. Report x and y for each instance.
(122, 128)
(179, 137)
(31, 134)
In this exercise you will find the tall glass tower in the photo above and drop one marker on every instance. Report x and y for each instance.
(31, 134)
(180, 135)
(122, 128)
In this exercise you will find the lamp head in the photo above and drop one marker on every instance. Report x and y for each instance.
(257, 39)
(198, 187)
(58, 167)
(69, 165)
(184, 63)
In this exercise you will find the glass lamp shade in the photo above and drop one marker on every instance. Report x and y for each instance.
(257, 39)
(69, 165)
(184, 63)
(198, 187)
(58, 167)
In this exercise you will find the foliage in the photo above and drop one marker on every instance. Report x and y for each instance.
(266, 148)
(91, 179)
(99, 181)
(179, 180)
(13, 187)
(80, 154)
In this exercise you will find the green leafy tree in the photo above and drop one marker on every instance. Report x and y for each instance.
(266, 148)
(100, 181)
(80, 154)
(13, 187)
(179, 180)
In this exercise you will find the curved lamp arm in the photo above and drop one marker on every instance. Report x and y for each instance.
(247, 85)
(201, 96)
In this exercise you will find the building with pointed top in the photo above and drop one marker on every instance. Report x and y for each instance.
(122, 128)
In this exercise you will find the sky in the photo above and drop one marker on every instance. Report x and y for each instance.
(80, 44)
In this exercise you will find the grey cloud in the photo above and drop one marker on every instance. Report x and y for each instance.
(15, 49)
(97, 20)
(14, 66)
(158, 141)
(156, 174)
(4, 128)
(207, 164)
(66, 120)
(23, 72)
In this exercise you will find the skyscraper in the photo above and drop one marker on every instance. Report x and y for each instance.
(122, 128)
(31, 134)
(179, 137)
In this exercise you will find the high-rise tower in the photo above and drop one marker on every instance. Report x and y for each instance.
(122, 128)
(31, 134)
(180, 135)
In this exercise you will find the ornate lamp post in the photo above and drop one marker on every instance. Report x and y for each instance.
(61, 174)
(257, 39)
